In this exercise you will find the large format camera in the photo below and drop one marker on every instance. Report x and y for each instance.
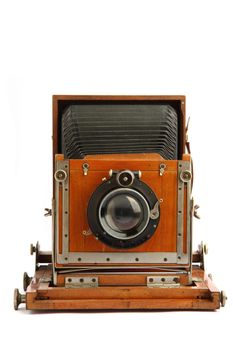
(122, 210)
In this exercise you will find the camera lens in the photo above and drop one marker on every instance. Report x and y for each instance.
(124, 213)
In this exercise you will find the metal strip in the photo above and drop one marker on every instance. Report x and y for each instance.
(182, 187)
(163, 281)
(82, 282)
(189, 239)
(180, 208)
(62, 165)
(65, 209)
(119, 258)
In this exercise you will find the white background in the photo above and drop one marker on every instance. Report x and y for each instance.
(112, 47)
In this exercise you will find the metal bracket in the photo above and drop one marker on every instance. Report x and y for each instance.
(85, 168)
(162, 168)
(163, 281)
(81, 282)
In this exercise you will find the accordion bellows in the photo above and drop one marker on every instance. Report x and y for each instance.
(89, 129)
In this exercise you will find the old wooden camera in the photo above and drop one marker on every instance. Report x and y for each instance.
(122, 210)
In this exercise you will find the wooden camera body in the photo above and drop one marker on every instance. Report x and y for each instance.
(122, 210)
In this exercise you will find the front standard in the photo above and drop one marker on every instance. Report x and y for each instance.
(122, 210)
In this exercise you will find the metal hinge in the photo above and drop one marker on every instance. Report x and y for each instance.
(163, 281)
(81, 282)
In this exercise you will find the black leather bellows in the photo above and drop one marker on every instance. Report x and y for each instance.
(119, 128)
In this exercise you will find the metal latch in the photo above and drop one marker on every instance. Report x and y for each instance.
(162, 168)
(85, 168)
(163, 281)
(81, 282)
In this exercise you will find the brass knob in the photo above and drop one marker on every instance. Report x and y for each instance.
(32, 249)
(205, 249)
(18, 298)
(26, 281)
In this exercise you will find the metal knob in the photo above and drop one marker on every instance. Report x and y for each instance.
(32, 249)
(205, 249)
(223, 298)
(26, 281)
(18, 298)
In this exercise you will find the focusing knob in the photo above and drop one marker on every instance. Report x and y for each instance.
(125, 178)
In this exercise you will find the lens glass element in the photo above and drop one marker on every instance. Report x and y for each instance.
(124, 213)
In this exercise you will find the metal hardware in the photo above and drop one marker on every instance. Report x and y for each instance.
(81, 282)
(210, 276)
(205, 249)
(185, 175)
(197, 279)
(85, 168)
(195, 213)
(162, 168)
(48, 212)
(125, 178)
(45, 280)
(119, 258)
(163, 281)
(154, 213)
(32, 249)
(184, 167)
(223, 298)
(18, 298)
(87, 233)
(26, 281)
(60, 175)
